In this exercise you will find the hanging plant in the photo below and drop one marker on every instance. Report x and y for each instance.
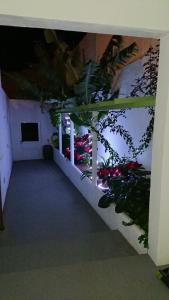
(54, 117)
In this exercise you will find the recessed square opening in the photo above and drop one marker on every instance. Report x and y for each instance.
(29, 132)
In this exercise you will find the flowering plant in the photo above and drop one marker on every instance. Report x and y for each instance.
(82, 150)
(129, 190)
(106, 172)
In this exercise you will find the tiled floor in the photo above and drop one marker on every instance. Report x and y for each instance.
(56, 247)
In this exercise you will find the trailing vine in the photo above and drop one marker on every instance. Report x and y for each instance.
(146, 85)
(111, 121)
(113, 154)
(147, 136)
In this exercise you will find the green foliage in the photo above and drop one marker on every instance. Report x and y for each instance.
(86, 173)
(105, 200)
(112, 122)
(44, 81)
(97, 82)
(87, 84)
(81, 119)
(146, 85)
(53, 75)
(143, 238)
(147, 136)
(115, 58)
(60, 75)
(113, 154)
(54, 117)
(105, 162)
(130, 194)
(55, 140)
(101, 115)
(124, 55)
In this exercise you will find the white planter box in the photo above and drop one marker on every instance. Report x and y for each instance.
(92, 194)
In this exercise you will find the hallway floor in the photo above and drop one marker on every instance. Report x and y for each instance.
(56, 247)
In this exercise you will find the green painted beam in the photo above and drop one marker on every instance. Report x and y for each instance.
(120, 103)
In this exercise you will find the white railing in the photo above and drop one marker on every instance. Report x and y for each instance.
(94, 149)
(94, 145)
(60, 134)
(72, 148)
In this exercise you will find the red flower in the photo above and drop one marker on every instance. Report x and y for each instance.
(78, 139)
(67, 152)
(115, 171)
(132, 165)
(78, 156)
(87, 149)
(103, 173)
(79, 144)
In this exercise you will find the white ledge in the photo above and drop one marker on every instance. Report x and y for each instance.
(92, 194)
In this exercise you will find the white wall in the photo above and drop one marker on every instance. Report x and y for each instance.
(28, 111)
(137, 119)
(126, 16)
(5, 145)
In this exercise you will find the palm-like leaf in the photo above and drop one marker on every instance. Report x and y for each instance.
(111, 51)
(124, 56)
(85, 88)
(71, 65)
(57, 76)
(99, 79)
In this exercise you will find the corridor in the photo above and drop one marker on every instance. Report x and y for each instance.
(56, 247)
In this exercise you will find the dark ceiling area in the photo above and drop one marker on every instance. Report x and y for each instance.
(17, 45)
